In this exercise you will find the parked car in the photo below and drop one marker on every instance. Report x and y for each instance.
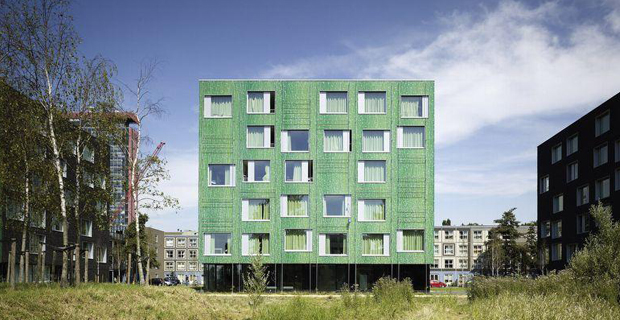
(437, 284)
(172, 281)
(157, 282)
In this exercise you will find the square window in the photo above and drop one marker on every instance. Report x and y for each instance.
(572, 171)
(181, 242)
(376, 141)
(295, 141)
(411, 137)
(600, 155)
(372, 103)
(572, 145)
(411, 240)
(556, 153)
(298, 171)
(169, 242)
(375, 244)
(583, 195)
(260, 137)
(337, 141)
(333, 244)
(463, 234)
(601, 124)
(294, 206)
(169, 266)
(601, 189)
(333, 102)
(180, 254)
(371, 210)
(193, 242)
(558, 203)
(169, 254)
(222, 175)
(261, 102)
(414, 107)
(297, 240)
(218, 106)
(217, 243)
(336, 206)
(255, 209)
(478, 234)
(256, 171)
(448, 264)
(371, 171)
(448, 235)
(448, 249)
(255, 244)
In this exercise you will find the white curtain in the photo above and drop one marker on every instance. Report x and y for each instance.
(374, 102)
(256, 137)
(413, 137)
(294, 171)
(221, 106)
(411, 107)
(336, 102)
(372, 141)
(334, 141)
(255, 102)
(374, 171)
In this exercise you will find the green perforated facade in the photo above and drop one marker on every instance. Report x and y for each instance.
(407, 189)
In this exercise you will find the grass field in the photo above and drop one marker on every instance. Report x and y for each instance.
(110, 301)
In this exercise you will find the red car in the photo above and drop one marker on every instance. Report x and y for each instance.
(437, 284)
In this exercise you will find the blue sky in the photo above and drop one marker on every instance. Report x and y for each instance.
(509, 74)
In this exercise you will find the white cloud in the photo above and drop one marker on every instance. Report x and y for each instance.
(513, 61)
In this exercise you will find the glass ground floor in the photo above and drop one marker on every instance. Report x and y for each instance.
(315, 277)
(451, 277)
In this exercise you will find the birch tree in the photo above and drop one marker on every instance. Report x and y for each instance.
(41, 55)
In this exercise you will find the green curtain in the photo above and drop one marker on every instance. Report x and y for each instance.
(373, 244)
(413, 137)
(334, 141)
(372, 140)
(296, 206)
(295, 240)
(212, 245)
(374, 210)
(297, 170)
(258, 244)
(336, 102)
(411, 107)
(266, 176)
(374, 171)
(256, 137)
(221, 106)
(258, 210)
(374, 102)
(413, 240)
(327, 244)
(255, 102)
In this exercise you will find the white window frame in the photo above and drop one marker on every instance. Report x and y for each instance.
(386, 245)
(449, 245)
(308, 241)
(284, 137)
(360, 171)
(178, 255)
(166, 239)
(284, 206)
(181, 265)
(167, 251)
(305, 171)
(233, 175)
(169, 266)
(91, 249)
(89, 228)
(252, 173)
(267, 132)
(361, 102)
(424, 106)
(387, 141)
(400, 135)
(245, 209)
(360, 210)
(181, 242)
(322, 237)
(323, 102)
(266, 102)
(208, 236)
(207, 106)
(400, 244)
(347, 205)
(346, 140)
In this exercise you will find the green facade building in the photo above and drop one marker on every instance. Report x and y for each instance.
(330, 181)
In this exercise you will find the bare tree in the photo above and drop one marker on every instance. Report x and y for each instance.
(41, 55)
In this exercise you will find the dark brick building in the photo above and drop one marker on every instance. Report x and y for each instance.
(577, 167)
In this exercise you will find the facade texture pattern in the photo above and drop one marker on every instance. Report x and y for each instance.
(407, 191)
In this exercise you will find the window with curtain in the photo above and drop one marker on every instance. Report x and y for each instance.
(296, 206)
(258, 209)
(334, 141)
(412, 107)
(256, 170)
(374, 210)
(258, 243)
(413, 240)
(374, 171)
(297, 140)
(217, 243)
(256, 102)
(256, 137)
(335, 244)
(374, 102)
(296, 240)
(221, 106)
(412, 137)
(221, 175)
(295, 172)
(373, 141)
(372, 244)
(336, 102)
